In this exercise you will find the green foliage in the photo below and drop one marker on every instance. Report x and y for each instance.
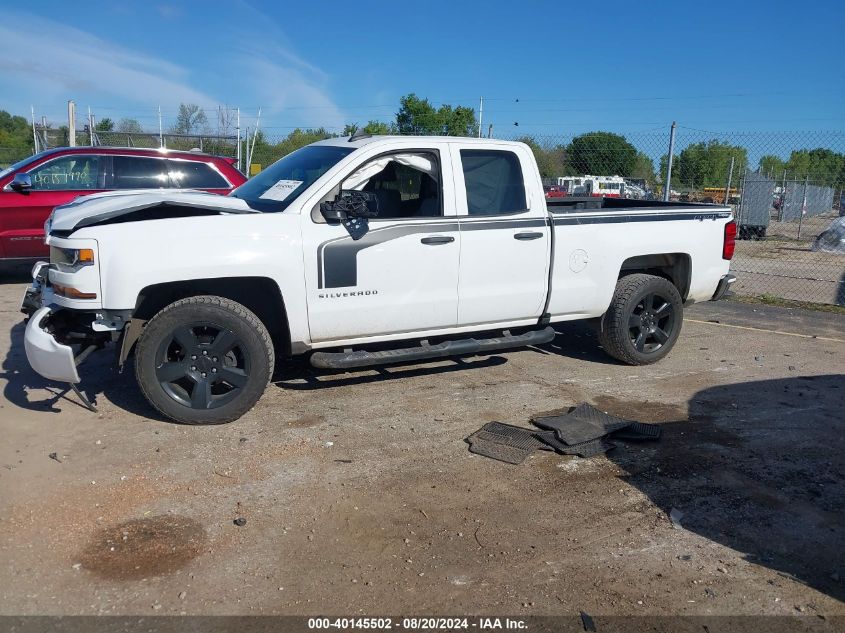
(266, 153)
(602, 154)
(15, 138)
(706, 164)
(550, 161)
(372, 127)
(643, 168)
(129, 126)
(417, 116)
(104, 125)
(190, 120)
(819, 166)
(771, 165)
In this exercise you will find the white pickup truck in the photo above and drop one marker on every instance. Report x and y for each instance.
(360, 251)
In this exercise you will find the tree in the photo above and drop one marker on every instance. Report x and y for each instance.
(372, 127)
(550, 161)
(190, 120)
(820, 166)
(602, 154)
(771, 165)
(300, 138)
(104, 125)
(15, 138)
(418, 116)
(129, 126)
(644, 169)
(707, 164)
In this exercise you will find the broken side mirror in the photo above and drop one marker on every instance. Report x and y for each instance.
(350, 204)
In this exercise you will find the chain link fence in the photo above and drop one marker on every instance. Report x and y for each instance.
(786, 188)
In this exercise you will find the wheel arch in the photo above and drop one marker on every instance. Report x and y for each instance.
(675, 267)
(261, 295)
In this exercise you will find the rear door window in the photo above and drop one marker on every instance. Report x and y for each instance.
(140, 172)
(195, 175)
(493, 180)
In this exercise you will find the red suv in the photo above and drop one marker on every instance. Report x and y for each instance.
(31, 188)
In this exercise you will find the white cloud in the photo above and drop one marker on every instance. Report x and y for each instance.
(68, 61)
(73, 64)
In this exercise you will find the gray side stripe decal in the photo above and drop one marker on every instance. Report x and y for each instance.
(644, 217)
(337, 259)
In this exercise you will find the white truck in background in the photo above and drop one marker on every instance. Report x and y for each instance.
(426, 246)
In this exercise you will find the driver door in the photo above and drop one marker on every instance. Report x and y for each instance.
(392, 275)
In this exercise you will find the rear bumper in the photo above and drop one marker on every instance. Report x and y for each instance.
(45, 354)
(724, 285)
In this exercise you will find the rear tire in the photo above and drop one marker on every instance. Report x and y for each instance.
(643, 321)
(204, 360)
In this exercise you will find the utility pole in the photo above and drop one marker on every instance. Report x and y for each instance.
(730, 177)
(90, 127)
(34, 133)
(160, 129)
(668, 184)
(480, 115)
(71, 124)
(239, 138)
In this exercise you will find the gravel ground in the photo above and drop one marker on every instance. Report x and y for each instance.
(359, 495)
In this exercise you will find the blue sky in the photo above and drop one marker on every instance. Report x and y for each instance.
(573, 67)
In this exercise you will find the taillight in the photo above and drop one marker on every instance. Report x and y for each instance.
(729, 244)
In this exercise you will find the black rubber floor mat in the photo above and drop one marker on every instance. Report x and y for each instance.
(582, 424)
(638, 431)
(590, 448)
(504, 442)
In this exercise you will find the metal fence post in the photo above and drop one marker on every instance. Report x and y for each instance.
(668, 184)
(782, 197)
(803, 205)
(730, 177)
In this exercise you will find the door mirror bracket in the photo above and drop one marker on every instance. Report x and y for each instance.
(350, 204)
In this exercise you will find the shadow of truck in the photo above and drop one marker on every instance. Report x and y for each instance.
(759, 468)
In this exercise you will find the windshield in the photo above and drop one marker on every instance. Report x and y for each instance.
(277, 186)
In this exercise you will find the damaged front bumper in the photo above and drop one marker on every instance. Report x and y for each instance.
(45, 354)
(56, 339)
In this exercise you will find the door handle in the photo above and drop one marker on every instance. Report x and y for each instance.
(437, 239)
(531, 235)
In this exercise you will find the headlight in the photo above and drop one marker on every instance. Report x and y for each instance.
(71, 259)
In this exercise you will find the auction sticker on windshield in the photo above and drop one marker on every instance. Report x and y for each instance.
(281, 190)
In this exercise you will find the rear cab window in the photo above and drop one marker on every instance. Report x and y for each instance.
(493, 181)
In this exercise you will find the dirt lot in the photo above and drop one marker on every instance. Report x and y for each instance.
(360, 496)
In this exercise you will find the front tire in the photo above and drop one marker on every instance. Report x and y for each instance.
(204, 360)
(643, 321)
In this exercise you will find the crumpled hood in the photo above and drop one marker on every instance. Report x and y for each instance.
(89, 210)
